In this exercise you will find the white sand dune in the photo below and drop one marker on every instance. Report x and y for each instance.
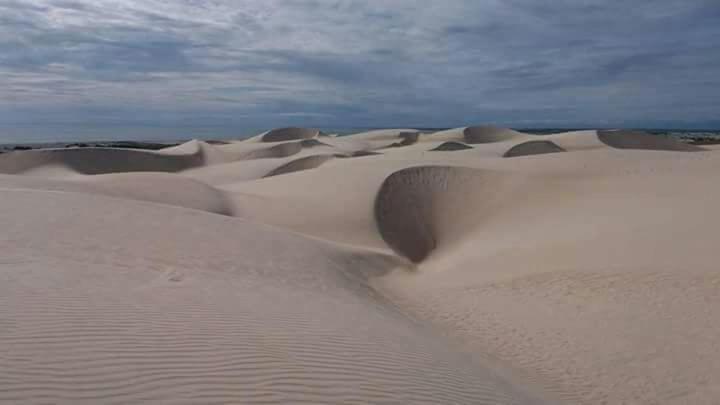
(97, 160)
(641, 140)
(304, 163)
(450, 146)
(162, 188)
(480, 134)
(533, 148)
(148, 303)
(288, 134)
(416, 207)
(294, 268)
(374, 140)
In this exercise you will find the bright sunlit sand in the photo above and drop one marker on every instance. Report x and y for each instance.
(477, 265)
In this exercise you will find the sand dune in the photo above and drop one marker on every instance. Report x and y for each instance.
(276, 151)
(268, 271)
(422, 208)
(642, 140)
(361, 153)
(377, 139)
(165, 189)
(159, 188)
(289, 134)
(533, 148)
(451, 146)
(485, 134)
(311, 143)
(408, 211)
(305, 163)
(129, 315)
(97, 161)
(406, 138)
(479, 134)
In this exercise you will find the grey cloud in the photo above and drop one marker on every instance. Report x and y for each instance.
(364, 63)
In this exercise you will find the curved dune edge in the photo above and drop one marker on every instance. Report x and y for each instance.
(150, 304)
(361, 153)
(451, 146)
(419, 207)
(164, 188)
(533, 148)
(489, 134)
(282, 150)
(381, 134)
(406, 139)
(311, 143)
(305, 163)
(622, 139)
(404, 208)
(160, 188)
(289, 134)
(99, 160)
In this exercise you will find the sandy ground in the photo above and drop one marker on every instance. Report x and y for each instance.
(469, 266)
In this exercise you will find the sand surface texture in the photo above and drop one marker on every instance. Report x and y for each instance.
(477, 265)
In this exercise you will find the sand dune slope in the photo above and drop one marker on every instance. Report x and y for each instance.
(305, 163)
(419, 208)
(289, 268)
(281, 150)
(595, 282)
(451, 146)
(97, 161)
(288, 134)
(479, 134)
(161, 188)
(155, 304)
(375, 140)
(641, 140)
(533, 148)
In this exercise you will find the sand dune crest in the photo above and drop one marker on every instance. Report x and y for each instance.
(622, 139)
(451, 146)
(98, 160)
(282, 150)
(289, 134)
(533, 148)
(305, 163)
(489, 134)
(164, 188)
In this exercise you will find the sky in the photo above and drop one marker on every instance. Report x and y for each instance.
(383, 63)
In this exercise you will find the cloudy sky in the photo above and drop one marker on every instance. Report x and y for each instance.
(264, 63)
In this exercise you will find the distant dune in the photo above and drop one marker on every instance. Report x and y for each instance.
(477, 265)
(533, 148)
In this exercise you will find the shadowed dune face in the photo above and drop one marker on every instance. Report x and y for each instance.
(276, 151)
(311, 143)
(488, 134)
(642, 140)
(164, 188)
(533, 148)
(306, 163)
(98, 160)
(161, 188)
(451, 146)
(290, 134)
(408, 138)
(362, 153)
(418, 208)
(404, 208)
